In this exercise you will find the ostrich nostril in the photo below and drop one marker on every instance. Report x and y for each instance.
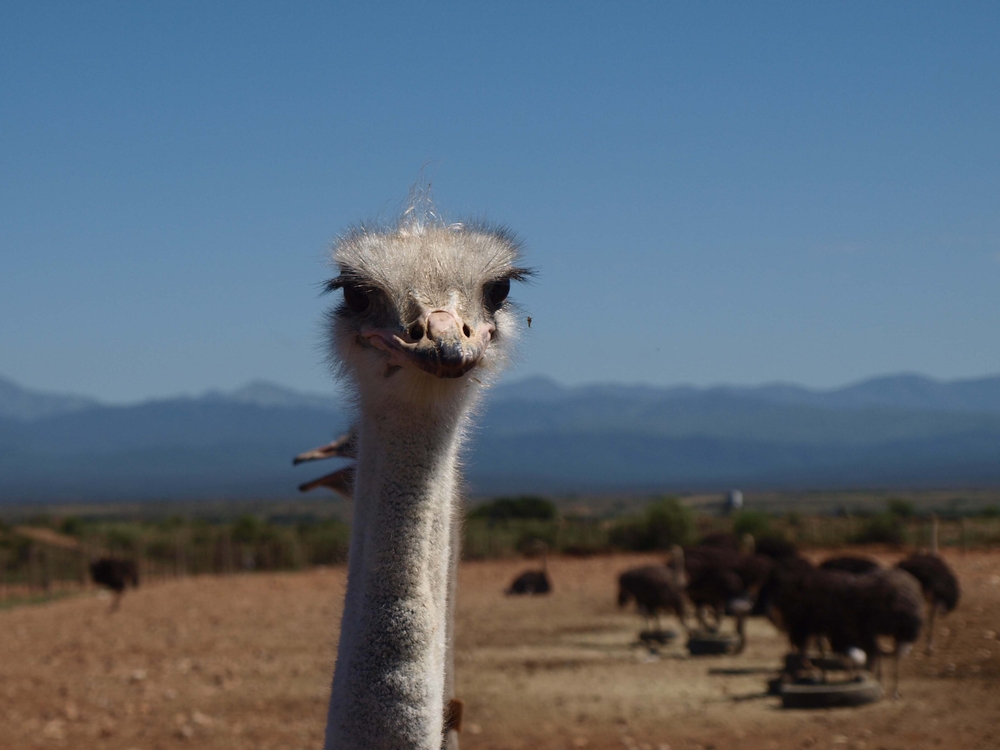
(466, 330)
(416, 331)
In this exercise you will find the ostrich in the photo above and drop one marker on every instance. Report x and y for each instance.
(654, 589)
(850, 564)
(723, 581)
(533, 581)
(423, 326)
(114, 574)
(851, 611)
(938, 584)
(776, 548)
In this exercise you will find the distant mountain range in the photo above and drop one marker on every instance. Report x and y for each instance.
(536, 435)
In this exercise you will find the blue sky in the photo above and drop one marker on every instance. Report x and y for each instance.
(711, 192)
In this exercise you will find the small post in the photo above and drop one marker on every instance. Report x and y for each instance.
(934, 534)
(34, 574)
(963, 530)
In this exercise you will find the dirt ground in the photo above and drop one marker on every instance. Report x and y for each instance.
(245, 662)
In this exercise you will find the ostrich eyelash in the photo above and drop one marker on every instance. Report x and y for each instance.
(332, 285)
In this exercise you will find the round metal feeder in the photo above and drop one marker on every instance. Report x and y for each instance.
(775, 684)
(712, 644)
(651, 637)
(815, 694)
(794, 663)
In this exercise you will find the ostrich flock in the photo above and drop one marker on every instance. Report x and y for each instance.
(843, 605)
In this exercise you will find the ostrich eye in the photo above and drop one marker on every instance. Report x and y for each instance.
(357, 300)
(496, 292)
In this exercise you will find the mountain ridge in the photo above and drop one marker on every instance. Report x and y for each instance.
(903, 390)
(534, 435)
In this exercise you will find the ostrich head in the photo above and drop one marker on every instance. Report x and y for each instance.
(424, 309)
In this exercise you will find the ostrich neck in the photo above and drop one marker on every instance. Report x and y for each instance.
(389, 683)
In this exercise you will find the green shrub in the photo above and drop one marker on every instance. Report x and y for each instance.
(508, 508)
(663, 523)
(247, 529)
(72, 526)
(901, 508)
(884, 528)
(122, 538)
(754, 522)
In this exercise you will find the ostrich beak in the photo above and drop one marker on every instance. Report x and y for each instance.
(447, 347)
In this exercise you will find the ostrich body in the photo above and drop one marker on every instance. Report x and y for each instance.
(423, 324)
(850, 611)
(533, 581)
(114, 574)
(654, 589)
(850, 564)
(939, 585)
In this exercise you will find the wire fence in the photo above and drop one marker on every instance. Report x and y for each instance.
(52, 560)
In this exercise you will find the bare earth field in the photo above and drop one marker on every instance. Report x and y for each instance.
(245, 662)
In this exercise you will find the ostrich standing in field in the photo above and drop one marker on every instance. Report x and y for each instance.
(939, 585)
(424, 323)
(114, 574)
(652, 589)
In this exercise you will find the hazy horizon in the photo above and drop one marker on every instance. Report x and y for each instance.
(334, 391)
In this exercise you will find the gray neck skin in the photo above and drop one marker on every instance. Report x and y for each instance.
(389, 683)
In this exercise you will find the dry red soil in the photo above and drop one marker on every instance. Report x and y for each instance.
(245, 662)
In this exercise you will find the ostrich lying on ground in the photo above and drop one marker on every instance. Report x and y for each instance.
(423, 325)
(114, 574)
(939, 585)
(533, 581)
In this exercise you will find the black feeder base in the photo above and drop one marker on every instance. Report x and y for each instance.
(712, 644)
(815, 694)
(652, 637)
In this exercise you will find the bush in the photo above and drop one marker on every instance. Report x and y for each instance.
(508, 508)
(72, 526)
(901, 508)
(756, 523)
(884, 528)
(664, 523)
(247, 529)
(326, 542)
(122, 538)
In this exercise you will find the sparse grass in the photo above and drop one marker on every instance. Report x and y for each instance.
(32, 599)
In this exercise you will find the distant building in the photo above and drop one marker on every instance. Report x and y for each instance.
(734, 501)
